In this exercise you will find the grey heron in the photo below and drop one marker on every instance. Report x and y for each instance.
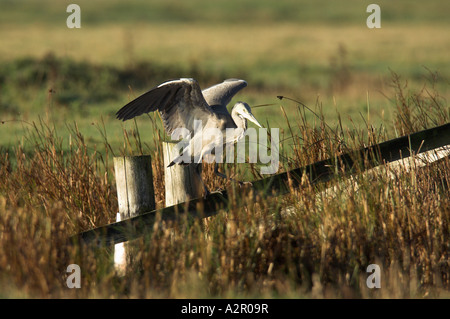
(182, 104)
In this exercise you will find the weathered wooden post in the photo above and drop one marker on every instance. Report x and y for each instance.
(135, 194)
(182, 182)
(134, 180)
(120, 254)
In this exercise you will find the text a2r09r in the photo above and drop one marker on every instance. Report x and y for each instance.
(247, 308)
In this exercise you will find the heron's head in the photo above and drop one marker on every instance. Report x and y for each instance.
(243, 110)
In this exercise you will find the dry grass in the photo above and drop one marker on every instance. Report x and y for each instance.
(321, 248)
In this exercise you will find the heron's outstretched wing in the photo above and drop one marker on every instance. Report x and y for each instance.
(219, 95)
(179, 102)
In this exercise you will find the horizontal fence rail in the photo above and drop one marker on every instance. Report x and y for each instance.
(275, 185)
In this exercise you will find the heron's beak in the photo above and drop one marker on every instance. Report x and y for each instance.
(250, 117)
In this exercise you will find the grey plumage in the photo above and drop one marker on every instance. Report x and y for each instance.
(178, 101)
(181, 102)
(218, 96)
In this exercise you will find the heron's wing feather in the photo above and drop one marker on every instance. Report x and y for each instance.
(147, 102)
(179, 102)
(219, 95)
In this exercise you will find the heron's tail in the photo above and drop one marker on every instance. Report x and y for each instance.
(177, 162)
(171, 164)
(180, 159)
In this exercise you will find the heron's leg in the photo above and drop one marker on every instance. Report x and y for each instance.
(216, 171)
(197, 170)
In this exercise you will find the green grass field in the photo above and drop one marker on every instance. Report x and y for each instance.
(321, 52)
(60, 89)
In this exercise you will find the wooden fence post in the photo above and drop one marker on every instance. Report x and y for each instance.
(120, 254)
(134, 180)
(135, 194)
(182, 182)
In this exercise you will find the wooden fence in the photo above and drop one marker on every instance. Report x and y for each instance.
(275, 185)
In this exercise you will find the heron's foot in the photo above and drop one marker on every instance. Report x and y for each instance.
(218, 191)
(241, 184)
(207, 193)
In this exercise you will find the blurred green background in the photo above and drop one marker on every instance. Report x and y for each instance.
(319, 52)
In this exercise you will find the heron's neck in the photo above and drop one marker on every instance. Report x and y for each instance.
(239, 121)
